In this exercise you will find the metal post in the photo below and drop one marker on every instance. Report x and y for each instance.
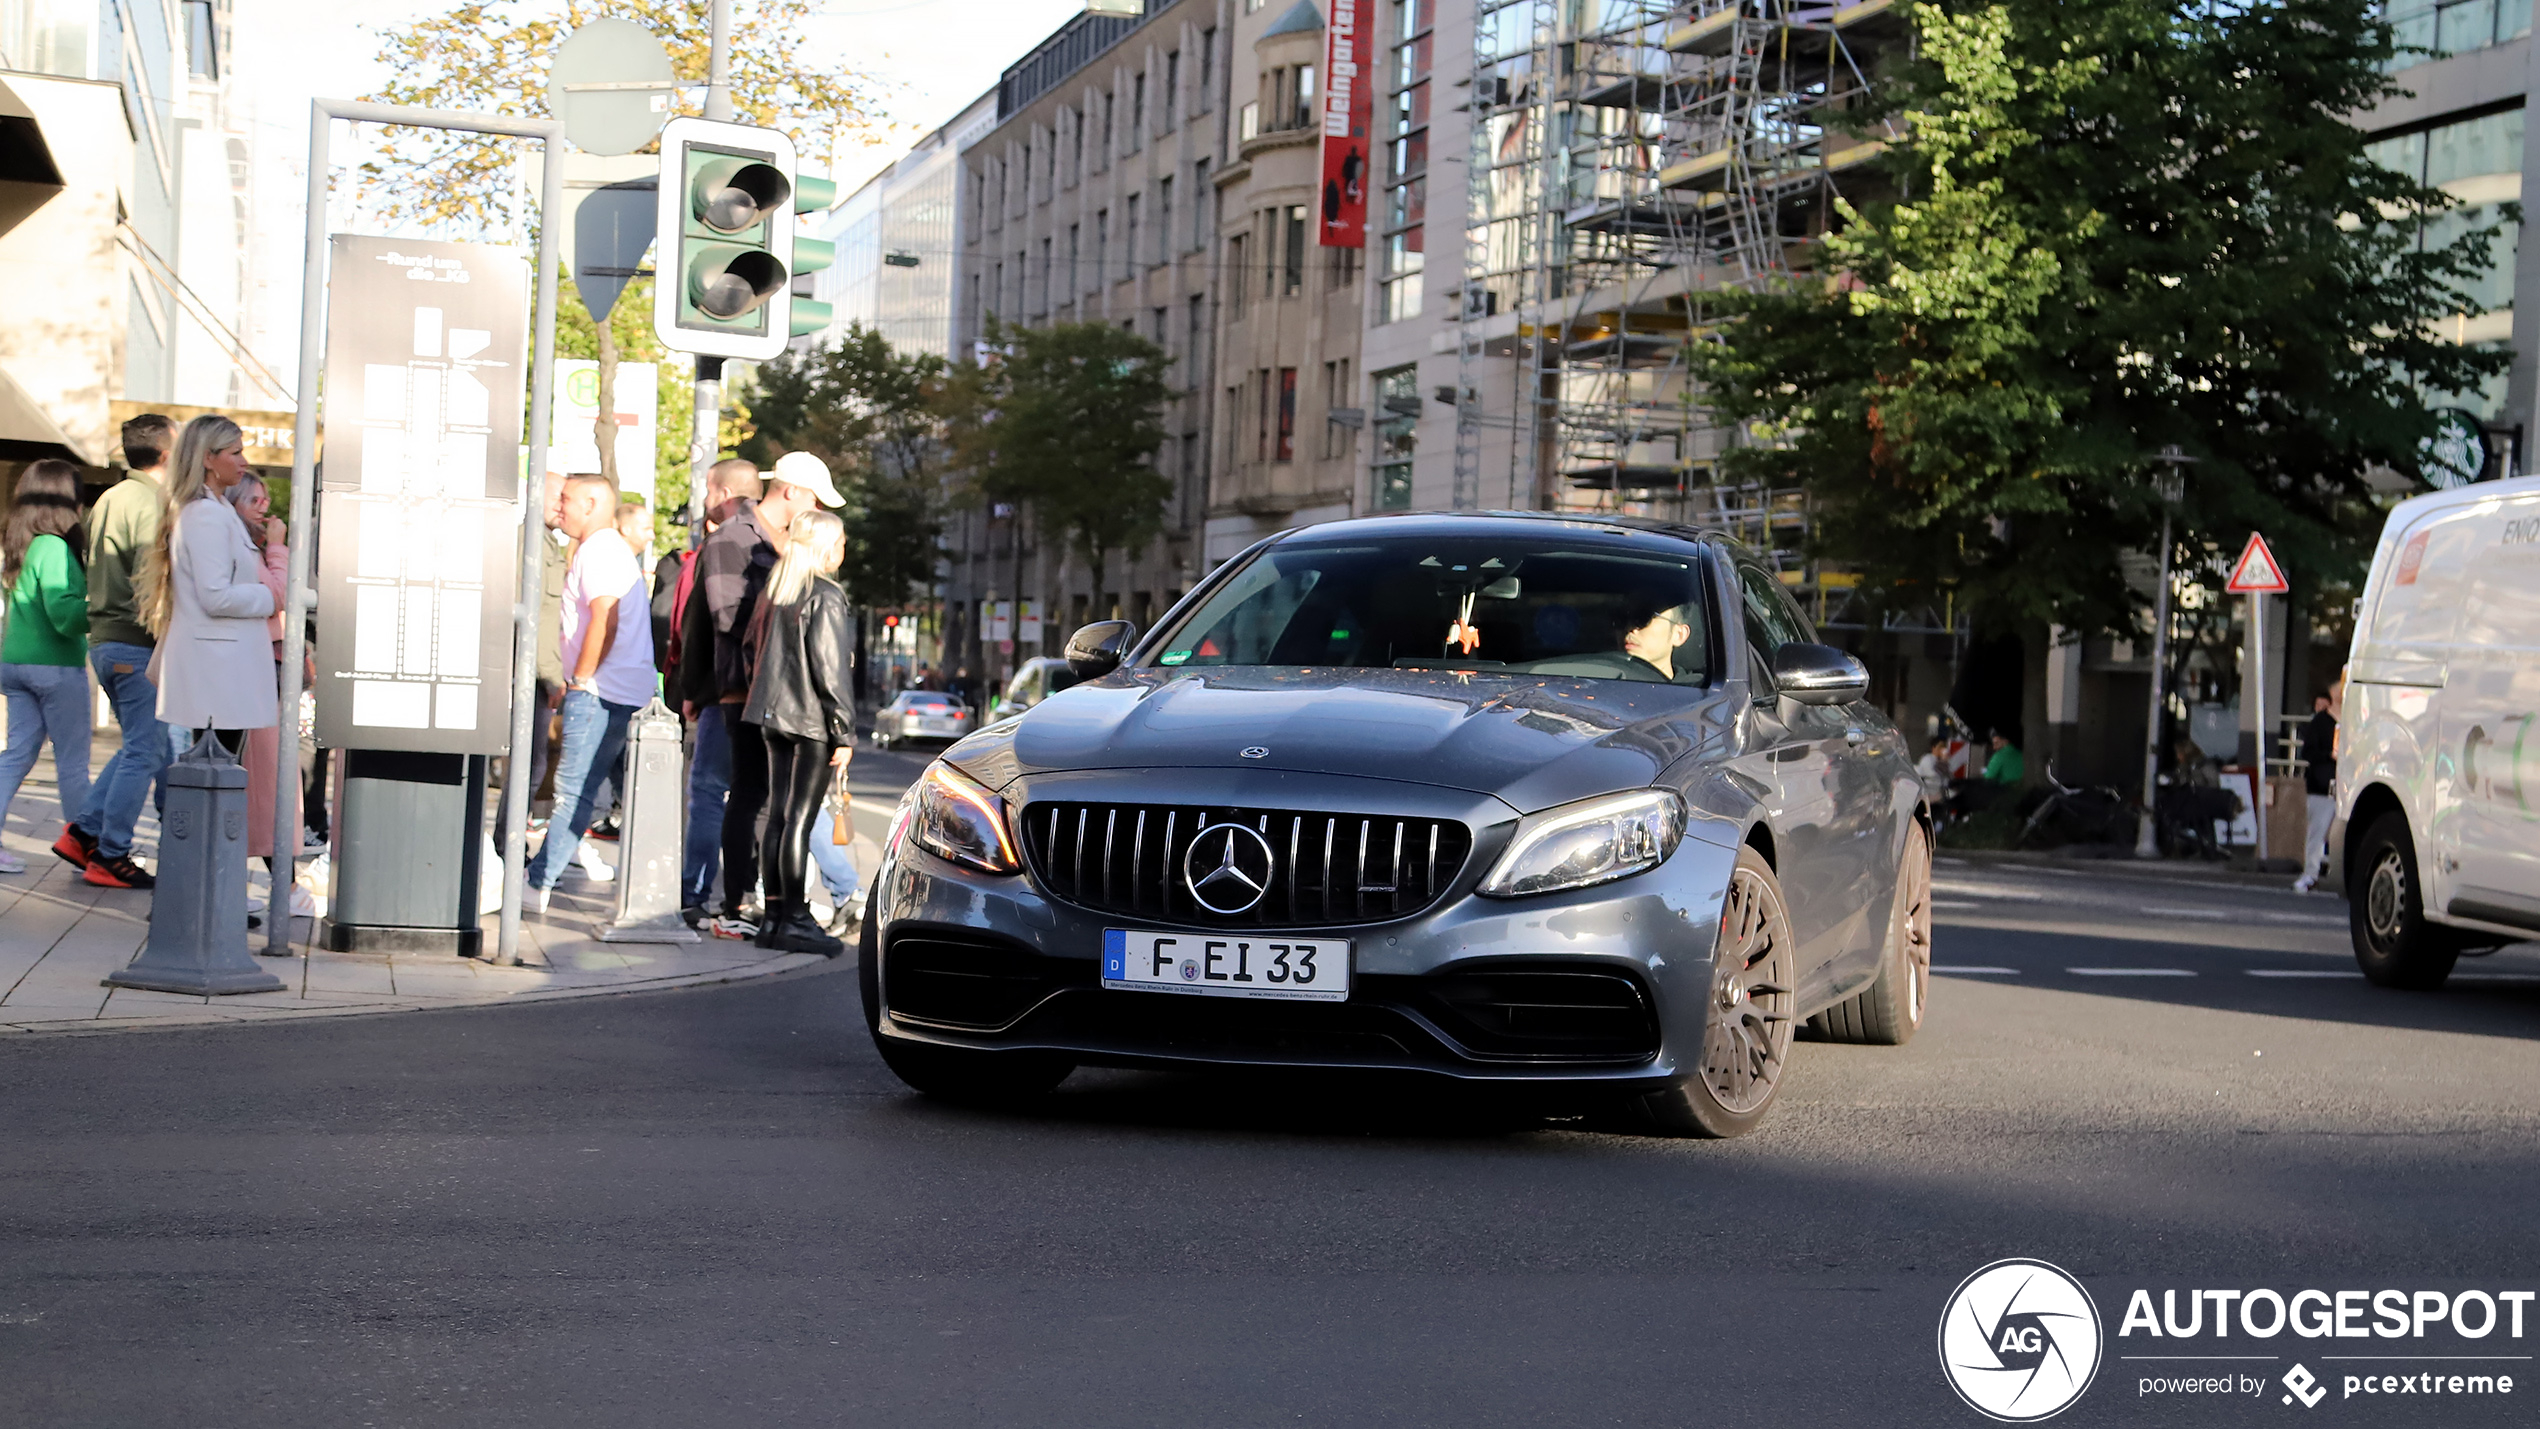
(303, 496)
(198, 920)
(2258, 678)
(2171, 488)
(719, 61)
(705, 428)
(648, 853)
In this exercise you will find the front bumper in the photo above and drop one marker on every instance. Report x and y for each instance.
(1607, 985)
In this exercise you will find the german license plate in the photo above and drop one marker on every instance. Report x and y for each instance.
(1278, 965)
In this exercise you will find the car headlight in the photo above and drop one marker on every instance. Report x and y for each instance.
(954, 818)
(1584, 844)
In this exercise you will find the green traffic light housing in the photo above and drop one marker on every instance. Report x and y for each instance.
(730, 194)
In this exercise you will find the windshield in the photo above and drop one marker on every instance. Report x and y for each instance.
(1536, 605)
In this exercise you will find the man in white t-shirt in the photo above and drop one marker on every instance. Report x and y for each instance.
(607, 647)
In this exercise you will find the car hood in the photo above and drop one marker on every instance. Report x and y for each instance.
(1532, 741)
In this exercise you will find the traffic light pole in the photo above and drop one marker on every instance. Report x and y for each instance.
(706, 424)
(304, 444)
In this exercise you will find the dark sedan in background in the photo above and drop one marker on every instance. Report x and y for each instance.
(1566, 802)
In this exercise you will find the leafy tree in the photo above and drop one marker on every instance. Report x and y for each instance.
(872, 413)
(1067, 419)
(491, 56)
(2125, 224)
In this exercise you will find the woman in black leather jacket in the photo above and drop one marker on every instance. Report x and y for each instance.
(802, 704)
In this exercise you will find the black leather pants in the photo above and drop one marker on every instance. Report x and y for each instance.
(798, 775)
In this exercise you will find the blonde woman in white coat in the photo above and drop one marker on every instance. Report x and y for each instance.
(206, 596)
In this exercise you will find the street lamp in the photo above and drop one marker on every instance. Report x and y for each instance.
(2171, 485)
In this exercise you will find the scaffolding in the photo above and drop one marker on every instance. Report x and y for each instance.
(1630, 160)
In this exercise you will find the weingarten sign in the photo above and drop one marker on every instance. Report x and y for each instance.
(1348, 104)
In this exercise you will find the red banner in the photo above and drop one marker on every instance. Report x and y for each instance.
(1348, 108)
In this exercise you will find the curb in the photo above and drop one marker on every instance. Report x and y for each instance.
(246, 1015)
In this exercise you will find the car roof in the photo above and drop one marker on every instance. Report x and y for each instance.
(1416, 524)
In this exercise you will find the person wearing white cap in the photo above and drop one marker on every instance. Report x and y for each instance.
(733, 567)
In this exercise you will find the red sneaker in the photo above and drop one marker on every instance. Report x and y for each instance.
(75, 847)
(119, 873)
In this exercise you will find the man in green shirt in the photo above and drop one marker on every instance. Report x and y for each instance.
(122, 528)
(2007, 767)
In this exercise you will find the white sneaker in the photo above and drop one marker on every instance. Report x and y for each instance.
(11, 863)
(302, 905)
(2304, 884)
(538, 898)
(592, 867)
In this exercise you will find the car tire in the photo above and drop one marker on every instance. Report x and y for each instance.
(2394, 944)
(1889, 1010)
(1747, 1029)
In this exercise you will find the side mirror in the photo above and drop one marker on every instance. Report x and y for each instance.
(1818, 675)
(1098, 649)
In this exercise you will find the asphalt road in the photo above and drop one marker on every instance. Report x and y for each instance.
(717, 1207)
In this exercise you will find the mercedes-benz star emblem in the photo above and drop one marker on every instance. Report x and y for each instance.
(1255, 751)
(1227, 868)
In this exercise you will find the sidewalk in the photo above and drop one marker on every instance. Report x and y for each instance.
(60, 936)
(2160, 870)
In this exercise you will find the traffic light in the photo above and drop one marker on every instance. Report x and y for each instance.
(811, 195)
(726, 249)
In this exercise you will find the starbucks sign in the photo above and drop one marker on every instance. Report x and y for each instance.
(2457, 453)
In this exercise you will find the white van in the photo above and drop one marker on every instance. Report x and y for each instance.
(2438, 772)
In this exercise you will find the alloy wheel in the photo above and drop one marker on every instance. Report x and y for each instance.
(1916, 892)
(1747, 1041)
(2386, 899)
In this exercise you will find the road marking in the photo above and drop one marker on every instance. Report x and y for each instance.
(2130, 972)
(1955, 903)
(1988, 890)
(2215, 915)
(1975, 971)
(2303, 972)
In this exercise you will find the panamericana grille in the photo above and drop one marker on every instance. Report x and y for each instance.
(1326, 869)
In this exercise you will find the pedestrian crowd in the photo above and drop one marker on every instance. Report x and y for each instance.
(170, 588)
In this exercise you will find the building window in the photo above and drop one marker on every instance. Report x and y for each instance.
(1403, 230)
(1248, 122)
(1205, 99)
(1287, 414)
(1163, 220)
(1076, 156)
(1336, 397)
(1199, 205)
(1102, 247)
(1045, 275)
(1397, 418)
(1198, 332)
(1075, 270)
(1172, 87)
(1344, 269)
(1294, 279)
(1137, 110)
(1108, 96)
(2452, 28)
(1235, 266)
(999, 289)
(1251, 6)
(2486, 148)
(1129, 238)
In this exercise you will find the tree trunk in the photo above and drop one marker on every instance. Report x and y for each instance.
(604, 426)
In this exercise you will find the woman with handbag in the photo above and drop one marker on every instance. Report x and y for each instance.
(802, 704)
(272, 535)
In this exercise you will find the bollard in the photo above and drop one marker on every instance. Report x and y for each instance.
(198, 915)
(648, 842)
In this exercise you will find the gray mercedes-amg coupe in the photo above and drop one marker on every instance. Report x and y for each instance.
(1531, 799)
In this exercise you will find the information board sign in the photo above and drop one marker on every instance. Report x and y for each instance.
(419, 495)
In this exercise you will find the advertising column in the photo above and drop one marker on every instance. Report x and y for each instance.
(418, 519)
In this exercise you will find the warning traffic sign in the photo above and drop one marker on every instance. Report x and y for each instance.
(2256, 572)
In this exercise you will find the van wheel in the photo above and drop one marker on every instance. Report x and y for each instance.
(2394, 945)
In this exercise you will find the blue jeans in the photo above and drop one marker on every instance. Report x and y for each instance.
(113, 805)
(46, 700)
(594, 742)
(709, 779)
(837, 871)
